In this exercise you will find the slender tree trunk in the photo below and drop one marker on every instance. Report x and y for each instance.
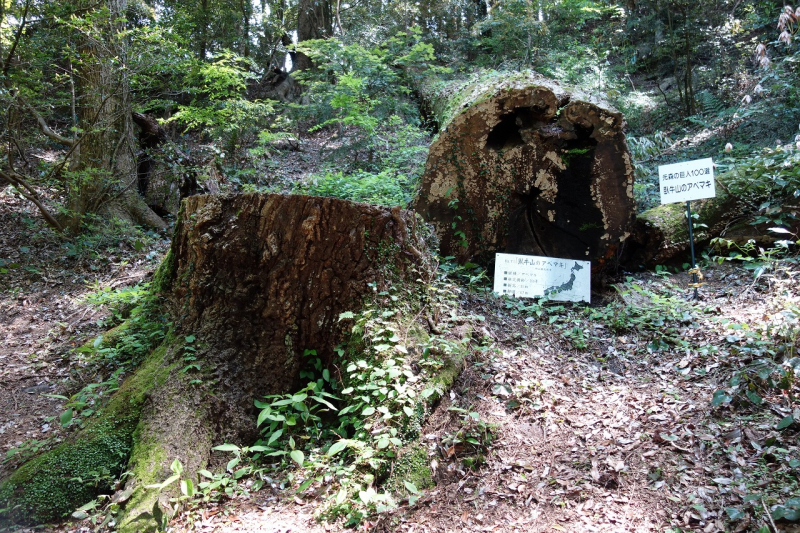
(203, 44)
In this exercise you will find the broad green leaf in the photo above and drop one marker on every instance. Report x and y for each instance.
(341, 496)
(720, 397)
(734, 513)
(755, 398)
(167, 482)
(232, 464)
(368, 411)
(785, 422)
(297, 456)
(410, 487)
(226, 448)
(346, 315)
(264, 415)
(336, 447)
(305, 484)
(66, 417)
(275, 436)
(187, 487)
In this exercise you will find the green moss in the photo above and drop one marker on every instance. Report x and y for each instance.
(162, 279)
(147, 459)
(668, 216)
(412, 466)
(53, 485)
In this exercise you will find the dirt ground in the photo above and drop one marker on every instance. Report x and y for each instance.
(593, 429)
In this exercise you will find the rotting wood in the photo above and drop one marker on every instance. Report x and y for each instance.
(522, 165)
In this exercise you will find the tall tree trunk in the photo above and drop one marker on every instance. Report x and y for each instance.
(314, 21)
(103, 169)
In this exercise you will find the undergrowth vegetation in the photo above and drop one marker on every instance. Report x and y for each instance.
(706, 80)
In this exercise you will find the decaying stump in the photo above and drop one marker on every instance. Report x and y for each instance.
(253, 281)
(521, 165)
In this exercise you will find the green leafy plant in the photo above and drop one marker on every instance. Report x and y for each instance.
(471, 441)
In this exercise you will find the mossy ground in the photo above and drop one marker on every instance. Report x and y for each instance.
(51, 486)
(412, 466)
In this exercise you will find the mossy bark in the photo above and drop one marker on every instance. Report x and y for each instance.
(661, 234)
(54, 484)
(523, 165)
(252, 281)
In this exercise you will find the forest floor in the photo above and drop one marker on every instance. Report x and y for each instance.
(601, 416)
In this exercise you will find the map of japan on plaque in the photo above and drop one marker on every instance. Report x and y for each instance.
(531, 276)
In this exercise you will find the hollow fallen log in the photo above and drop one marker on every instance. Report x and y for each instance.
(252, 281)
(522, 165)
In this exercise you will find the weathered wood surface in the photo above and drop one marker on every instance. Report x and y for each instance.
(661, 234)
(522, 165)
(251, 282)
(257, 280)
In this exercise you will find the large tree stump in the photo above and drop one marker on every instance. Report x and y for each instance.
(252, 282)
(522, 165)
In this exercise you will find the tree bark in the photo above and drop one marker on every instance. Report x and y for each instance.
(254, 280)
(104, 162)
(314, 21)
(521, 165)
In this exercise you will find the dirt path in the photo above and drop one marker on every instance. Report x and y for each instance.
(601, 420)
(619, 435)
(43, 316)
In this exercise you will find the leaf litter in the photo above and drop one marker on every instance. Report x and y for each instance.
(622, 421)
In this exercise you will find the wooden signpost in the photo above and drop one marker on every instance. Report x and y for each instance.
(684, 182)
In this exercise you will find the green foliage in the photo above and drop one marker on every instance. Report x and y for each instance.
(342, 430)
(219, 105)
(383, 188)
(364, 92)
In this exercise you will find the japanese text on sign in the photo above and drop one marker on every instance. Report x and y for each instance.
(531, 276)
(690, 180)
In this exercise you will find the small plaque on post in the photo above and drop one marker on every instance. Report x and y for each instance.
(531, 276)
(683, 182)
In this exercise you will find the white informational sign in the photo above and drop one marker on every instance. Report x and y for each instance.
(690, 180)
(531, 276)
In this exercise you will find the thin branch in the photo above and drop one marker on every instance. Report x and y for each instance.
(43, 124)
(29, 193)
(17, 37)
